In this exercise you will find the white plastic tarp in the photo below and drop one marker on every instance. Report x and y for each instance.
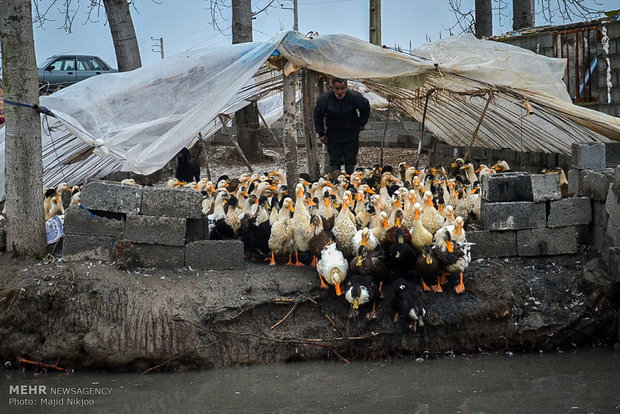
(139, 120)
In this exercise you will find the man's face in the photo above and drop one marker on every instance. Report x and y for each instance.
(339, 89)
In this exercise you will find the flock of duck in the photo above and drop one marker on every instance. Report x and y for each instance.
(399, 231)
(380, 229)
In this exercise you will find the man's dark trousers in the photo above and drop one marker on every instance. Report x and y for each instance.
(342, 148)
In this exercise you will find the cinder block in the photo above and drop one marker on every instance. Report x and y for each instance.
(611, 239)
(198, 229)
(596, 237)
(545, 242)
(588, 155)
(214, 254)
(551, 159)
(168, 231)
(85, 223)
(545, 187)
(571, 211)
(596, 183)
(575, 182)
(156, 255)
(2, 240)
(171, 202)
(492, 243)
(112, 196)
(599, 215)
(616, 182)
(513, 216)
(612, 206)
(506, 187)
(612, 154)
(613, 263)
(77, 247)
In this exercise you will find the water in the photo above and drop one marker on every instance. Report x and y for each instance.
(583, 381)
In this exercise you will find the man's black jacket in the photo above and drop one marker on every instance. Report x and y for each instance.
(341, 116)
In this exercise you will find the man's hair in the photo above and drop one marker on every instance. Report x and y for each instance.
(339, 80)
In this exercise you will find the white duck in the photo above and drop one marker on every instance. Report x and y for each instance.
(333, 267)
(281, 240)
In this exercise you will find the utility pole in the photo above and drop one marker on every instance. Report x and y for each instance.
(295, 9)
(375, 22)
(523, 14)
(159, 45)
(484, 18)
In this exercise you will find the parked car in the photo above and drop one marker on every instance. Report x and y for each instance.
(64, 70)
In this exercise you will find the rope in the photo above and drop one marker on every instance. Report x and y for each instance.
(37, 108)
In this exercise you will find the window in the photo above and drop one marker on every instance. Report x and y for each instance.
(89, 63)
(63, 64)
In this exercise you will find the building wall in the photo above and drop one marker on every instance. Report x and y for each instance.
(605, 84)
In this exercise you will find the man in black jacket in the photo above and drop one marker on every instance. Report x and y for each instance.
(339, 116)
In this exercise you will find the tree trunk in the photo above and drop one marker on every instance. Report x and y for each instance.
(523, 14)
(123, 35)
(25, 228)
(309, 93)
(484, 18)
(246, 118)
(290, 132)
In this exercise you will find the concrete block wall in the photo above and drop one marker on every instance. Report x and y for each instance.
(397, 134)
(444, 154)
(524, 215)
(164, 227)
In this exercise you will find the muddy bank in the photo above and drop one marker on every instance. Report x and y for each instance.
(92, 315)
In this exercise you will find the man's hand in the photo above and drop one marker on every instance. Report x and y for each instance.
(323, 139)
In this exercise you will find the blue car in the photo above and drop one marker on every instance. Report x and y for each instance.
(64, 70)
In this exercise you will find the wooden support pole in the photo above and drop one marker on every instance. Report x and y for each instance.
(422, 126)
(387, 118)
(204, 153)
(235, 144)
(275, 138)
(475, 134)
(309, 91)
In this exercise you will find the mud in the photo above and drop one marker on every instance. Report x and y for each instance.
(91, 315)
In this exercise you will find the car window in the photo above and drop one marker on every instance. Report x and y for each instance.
(102, 65)
(63, 64)
(88, 63)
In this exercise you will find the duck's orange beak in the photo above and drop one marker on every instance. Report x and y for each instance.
(450, 247)
(338, 290)
(291, 208)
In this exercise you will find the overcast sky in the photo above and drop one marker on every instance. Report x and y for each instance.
(186, 24)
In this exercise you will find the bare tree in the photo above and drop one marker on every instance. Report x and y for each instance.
(465, 19)
(25, 228)
(118, 16)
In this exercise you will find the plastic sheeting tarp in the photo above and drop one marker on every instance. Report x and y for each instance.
(137, 121)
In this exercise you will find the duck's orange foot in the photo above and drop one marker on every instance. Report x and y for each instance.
(297, 262)
(437, 288)
(323, 284)
(460, 287)
(290, 260)
(272, 262)
(425, 287)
